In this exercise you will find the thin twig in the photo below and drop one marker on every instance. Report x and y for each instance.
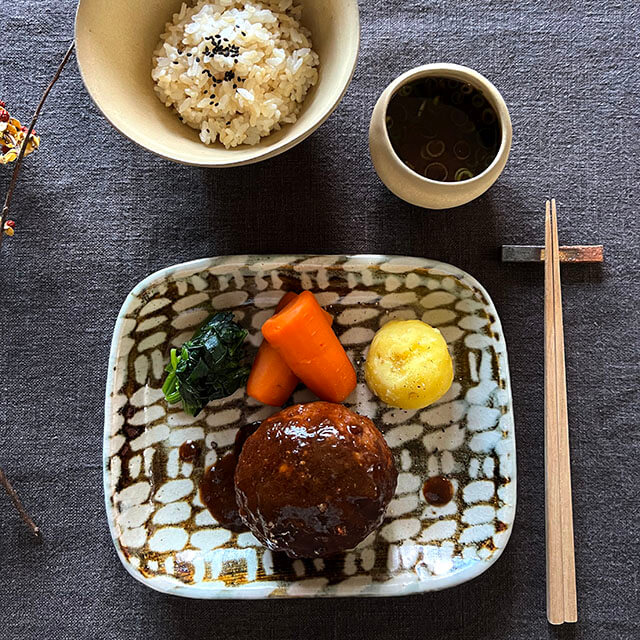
(13, 494)
(25, 142)
(4, 481)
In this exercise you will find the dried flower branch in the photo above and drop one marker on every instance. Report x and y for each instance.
(13, 494)
(12, 137)
(23, 147)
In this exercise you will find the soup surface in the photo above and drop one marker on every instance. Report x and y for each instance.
(443, 129)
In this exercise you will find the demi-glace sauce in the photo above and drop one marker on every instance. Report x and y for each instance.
(437, 491)
(218, 493)
(443, 129)
(189, 451)
(217, 487)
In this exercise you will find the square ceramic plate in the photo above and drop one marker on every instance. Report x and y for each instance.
(168, 540)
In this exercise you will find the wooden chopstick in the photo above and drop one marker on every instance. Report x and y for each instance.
(564, 457)
(555, 596)
(561, 580)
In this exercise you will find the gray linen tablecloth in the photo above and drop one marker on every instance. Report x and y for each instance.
(96, 214)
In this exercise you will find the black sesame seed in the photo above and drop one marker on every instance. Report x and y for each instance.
(189, 55)
(243, 33)
(197, 59)
(175, 62)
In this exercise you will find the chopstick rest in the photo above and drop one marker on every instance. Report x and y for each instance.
(531, 253)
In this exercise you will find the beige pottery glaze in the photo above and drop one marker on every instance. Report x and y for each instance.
(411, 186)
(115, 44)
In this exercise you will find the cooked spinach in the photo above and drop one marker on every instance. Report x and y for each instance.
(209, 366)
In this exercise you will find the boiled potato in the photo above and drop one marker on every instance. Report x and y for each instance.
(408, 365)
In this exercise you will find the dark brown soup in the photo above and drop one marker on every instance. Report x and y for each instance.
(443, 129)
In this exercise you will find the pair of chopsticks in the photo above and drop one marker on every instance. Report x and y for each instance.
(561, 569)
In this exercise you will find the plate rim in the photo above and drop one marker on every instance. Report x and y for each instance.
(165, 585)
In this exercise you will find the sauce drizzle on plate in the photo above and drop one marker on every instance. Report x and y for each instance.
(189, 451)
(437, 491)
(217, 487)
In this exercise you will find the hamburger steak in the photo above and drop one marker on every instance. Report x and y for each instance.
(314, 480)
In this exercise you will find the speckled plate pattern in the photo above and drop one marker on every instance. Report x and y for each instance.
(169, 541)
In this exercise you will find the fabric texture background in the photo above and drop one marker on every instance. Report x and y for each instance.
(96, 214)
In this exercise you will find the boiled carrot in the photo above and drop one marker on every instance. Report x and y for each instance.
(271, 380)
(306, 342)
(288, 297)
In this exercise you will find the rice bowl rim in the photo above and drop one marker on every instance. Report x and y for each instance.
(261, 152)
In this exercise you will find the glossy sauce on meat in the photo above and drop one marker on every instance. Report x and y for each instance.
(315, 480)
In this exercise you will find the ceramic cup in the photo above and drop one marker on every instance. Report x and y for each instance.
(413, 187)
